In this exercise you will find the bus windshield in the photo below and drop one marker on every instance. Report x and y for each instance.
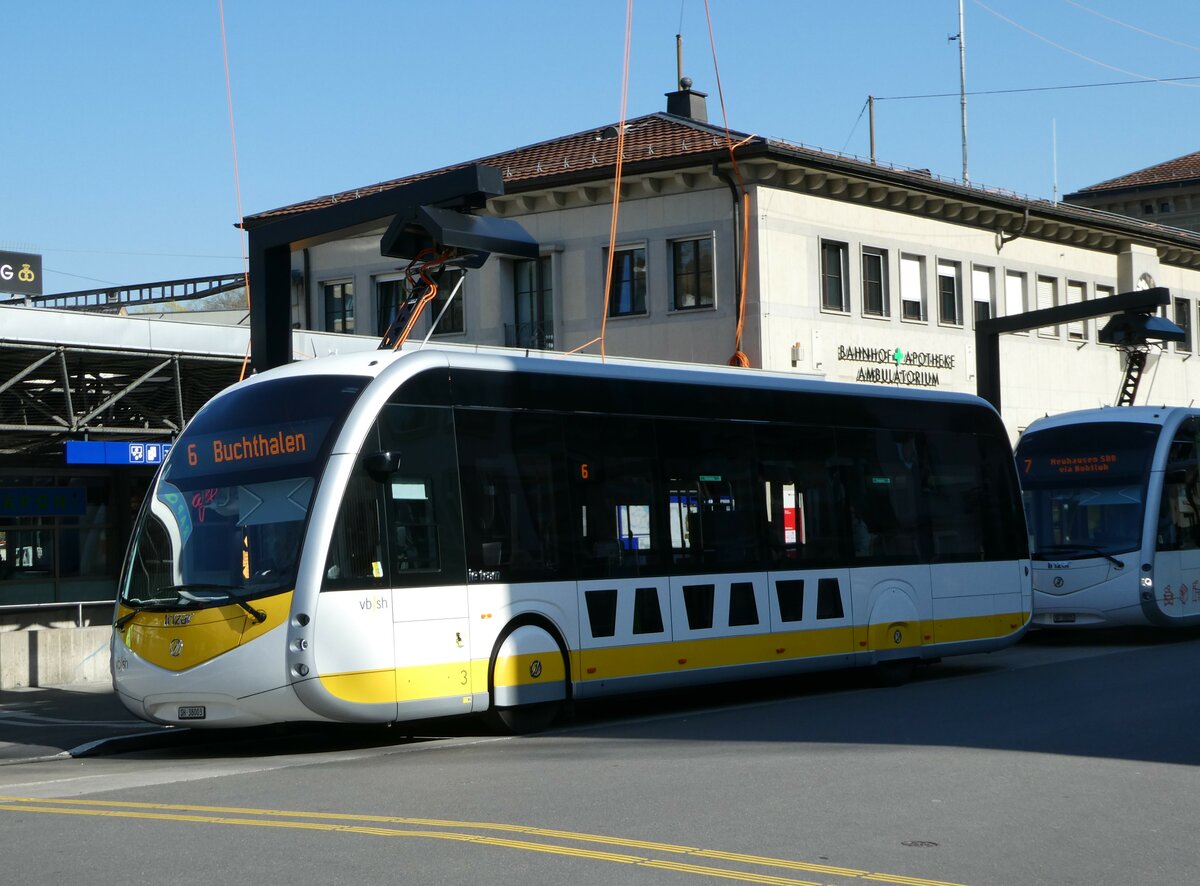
(1084, 488)
(227, 513)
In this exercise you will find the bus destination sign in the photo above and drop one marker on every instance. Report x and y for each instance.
(250, 448)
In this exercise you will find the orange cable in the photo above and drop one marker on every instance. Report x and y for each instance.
(738, 358)
(438, 259)
(612, 232)
(237, 183)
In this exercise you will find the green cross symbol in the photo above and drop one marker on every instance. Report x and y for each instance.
(898, 356)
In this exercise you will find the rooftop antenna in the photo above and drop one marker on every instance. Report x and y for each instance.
(961, 37)
(679, 61)
(1054, 152)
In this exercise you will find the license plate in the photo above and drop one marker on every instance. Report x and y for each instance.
(192, 712)
(1064, 618)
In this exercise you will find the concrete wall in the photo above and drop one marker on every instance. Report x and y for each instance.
(54, 657)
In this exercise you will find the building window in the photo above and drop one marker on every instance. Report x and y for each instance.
(1164, 206)
(627, 294)
(1047, 297)
(452, 319)
(389, 296)
(1148, 209)
(339, 306)
(875, 282)
(983, 292)
(949, 275)
(1015, 294)
(1076, 294)
(912, 287)
(692, 273)
(1183, 319)
(533, 305)
(833, 276)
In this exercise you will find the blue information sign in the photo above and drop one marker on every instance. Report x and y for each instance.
(93, 452)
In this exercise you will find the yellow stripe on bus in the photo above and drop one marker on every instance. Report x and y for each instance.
(449, 679)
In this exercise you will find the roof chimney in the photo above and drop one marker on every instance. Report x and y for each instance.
(686, 102)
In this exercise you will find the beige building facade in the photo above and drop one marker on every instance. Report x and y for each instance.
(854, 271)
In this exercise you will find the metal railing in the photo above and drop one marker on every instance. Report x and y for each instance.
(19, 608)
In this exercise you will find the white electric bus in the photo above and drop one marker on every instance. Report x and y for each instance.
(390, 536)
(1113, 507)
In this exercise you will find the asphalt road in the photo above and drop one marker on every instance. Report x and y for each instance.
(1069, 760)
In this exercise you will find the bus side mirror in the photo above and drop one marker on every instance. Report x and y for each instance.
(380, 465)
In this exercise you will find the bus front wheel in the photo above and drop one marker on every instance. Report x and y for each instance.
(527, 680)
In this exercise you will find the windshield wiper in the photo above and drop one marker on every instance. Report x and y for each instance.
(185, 593)
(1120, 564)
(125, 619)
(194, 593)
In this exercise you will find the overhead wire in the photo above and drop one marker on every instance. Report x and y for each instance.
(885, 98)
(1077, 54)
(738, 358)
(237, 182)
(858, 120)
(1117, 21)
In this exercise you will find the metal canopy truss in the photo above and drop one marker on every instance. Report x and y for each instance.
(49, 394)
(116, 297)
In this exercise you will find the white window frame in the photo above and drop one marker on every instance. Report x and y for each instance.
(698, 238)
(1016, 294)
(908, 263)
(1077, 293)
(1046, 289)
(843, 253)
(617, 250)
(952, 271)
(987, 274)
(885, 289)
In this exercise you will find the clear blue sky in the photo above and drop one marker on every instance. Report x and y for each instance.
(116, 163)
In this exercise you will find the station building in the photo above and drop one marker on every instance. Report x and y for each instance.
(855, 271)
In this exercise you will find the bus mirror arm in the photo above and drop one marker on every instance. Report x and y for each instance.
(381, 464)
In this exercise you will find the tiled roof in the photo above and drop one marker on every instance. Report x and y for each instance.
(653, 137)
(1183, 168)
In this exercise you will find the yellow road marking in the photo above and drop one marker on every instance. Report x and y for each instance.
(338, 822)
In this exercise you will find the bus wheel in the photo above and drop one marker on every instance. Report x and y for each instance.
(524, 719)
(895, 673)
(527, 680)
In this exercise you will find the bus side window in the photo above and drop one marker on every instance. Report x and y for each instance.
(1179, 512)
(414, 534)
(955, 497)
(513, 499)
(804, 501)
(887, 475)
(611, 465)
(355, 556)
(711, 500)
(423, 519)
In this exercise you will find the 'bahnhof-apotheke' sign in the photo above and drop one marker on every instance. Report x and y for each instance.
(894, 366)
